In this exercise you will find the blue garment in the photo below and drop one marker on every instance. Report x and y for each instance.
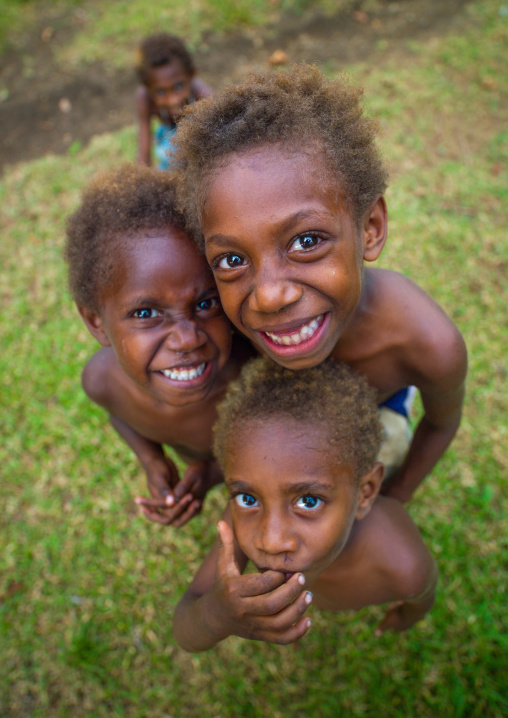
(401, 401)
(164, 145)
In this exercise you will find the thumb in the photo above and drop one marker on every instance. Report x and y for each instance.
(226, 562)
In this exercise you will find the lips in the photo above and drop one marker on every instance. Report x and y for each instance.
(300, 339)
(287, 574)
(189, 375)
(183, 373)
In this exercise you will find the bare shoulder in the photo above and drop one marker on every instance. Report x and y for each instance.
(101, 376)
(432, 344)
(200, 89)
(397, 552)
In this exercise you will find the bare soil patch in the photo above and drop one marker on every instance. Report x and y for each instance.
(44, 108)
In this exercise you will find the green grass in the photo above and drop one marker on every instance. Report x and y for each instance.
(87, 587)
(111, 31)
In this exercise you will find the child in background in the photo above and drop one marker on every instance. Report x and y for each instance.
(148, 296)
(168, 83)
(298, 451)
(281, 181)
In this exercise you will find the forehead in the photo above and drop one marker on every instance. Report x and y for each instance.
(167, 252)
(273, 181)
(283, 450)
(167, 74)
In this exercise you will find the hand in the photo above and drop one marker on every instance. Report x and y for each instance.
(400, 616)
(258, 606)
(176, 501)
(164, 507)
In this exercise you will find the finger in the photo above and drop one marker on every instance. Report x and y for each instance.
(276, 600)
(192, 510)
(226, 562)
(291, 635)
(154, 515)
(173, 513)
(191, 480)
(272, 584)
(156, 503)
(159, 486)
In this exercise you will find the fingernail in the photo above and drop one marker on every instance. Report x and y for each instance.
(308, 597)
(170, 500)
(301, 579)
(309, 623)
(138, 500)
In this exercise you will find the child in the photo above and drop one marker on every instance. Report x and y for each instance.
(282, 176)
(298, 451)
(149, 298)
(168, 83)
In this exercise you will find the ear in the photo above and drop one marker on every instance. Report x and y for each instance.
(375, 225)
(370, 483)
(94, 325)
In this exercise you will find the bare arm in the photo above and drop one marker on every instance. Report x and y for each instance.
(442, 392)
(200, 89)
(143, 105)
(415, 577)
(222, 602)
(173, 501)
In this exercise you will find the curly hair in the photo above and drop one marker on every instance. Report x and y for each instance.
(331, 395)
(161, 49)
(118, 206)
(295, 109)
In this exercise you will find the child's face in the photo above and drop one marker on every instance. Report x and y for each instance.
(293, 504)
(170, 89)
(162, 316)
(285, 251)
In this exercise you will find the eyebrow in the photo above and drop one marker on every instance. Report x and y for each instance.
(304, 487)
(285, 224)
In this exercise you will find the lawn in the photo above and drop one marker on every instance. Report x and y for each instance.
(87, 586)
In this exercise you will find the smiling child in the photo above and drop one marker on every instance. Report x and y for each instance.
(168, 83)
(282, 184)
(298, 451)
(148, 296)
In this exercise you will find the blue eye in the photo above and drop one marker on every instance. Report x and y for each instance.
(305, 241)
(308, 502)
(230, 261)
(147, 313)
(245, 500)
(206, 304)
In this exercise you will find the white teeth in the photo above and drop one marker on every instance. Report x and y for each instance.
(182, 374)
(305, 332)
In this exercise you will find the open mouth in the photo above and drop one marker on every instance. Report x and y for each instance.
(186, 373)
(305, 336)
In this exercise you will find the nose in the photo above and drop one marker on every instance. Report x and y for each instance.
(185, 336)
(273, 292)
(275, 535)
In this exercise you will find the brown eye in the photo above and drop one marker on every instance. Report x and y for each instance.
(304, 241)
(230, 261)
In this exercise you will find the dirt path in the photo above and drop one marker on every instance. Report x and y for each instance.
(43, 109)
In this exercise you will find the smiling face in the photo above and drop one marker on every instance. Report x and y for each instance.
(162, 316)
(170, 89)
(293, 503)
(286, 253)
